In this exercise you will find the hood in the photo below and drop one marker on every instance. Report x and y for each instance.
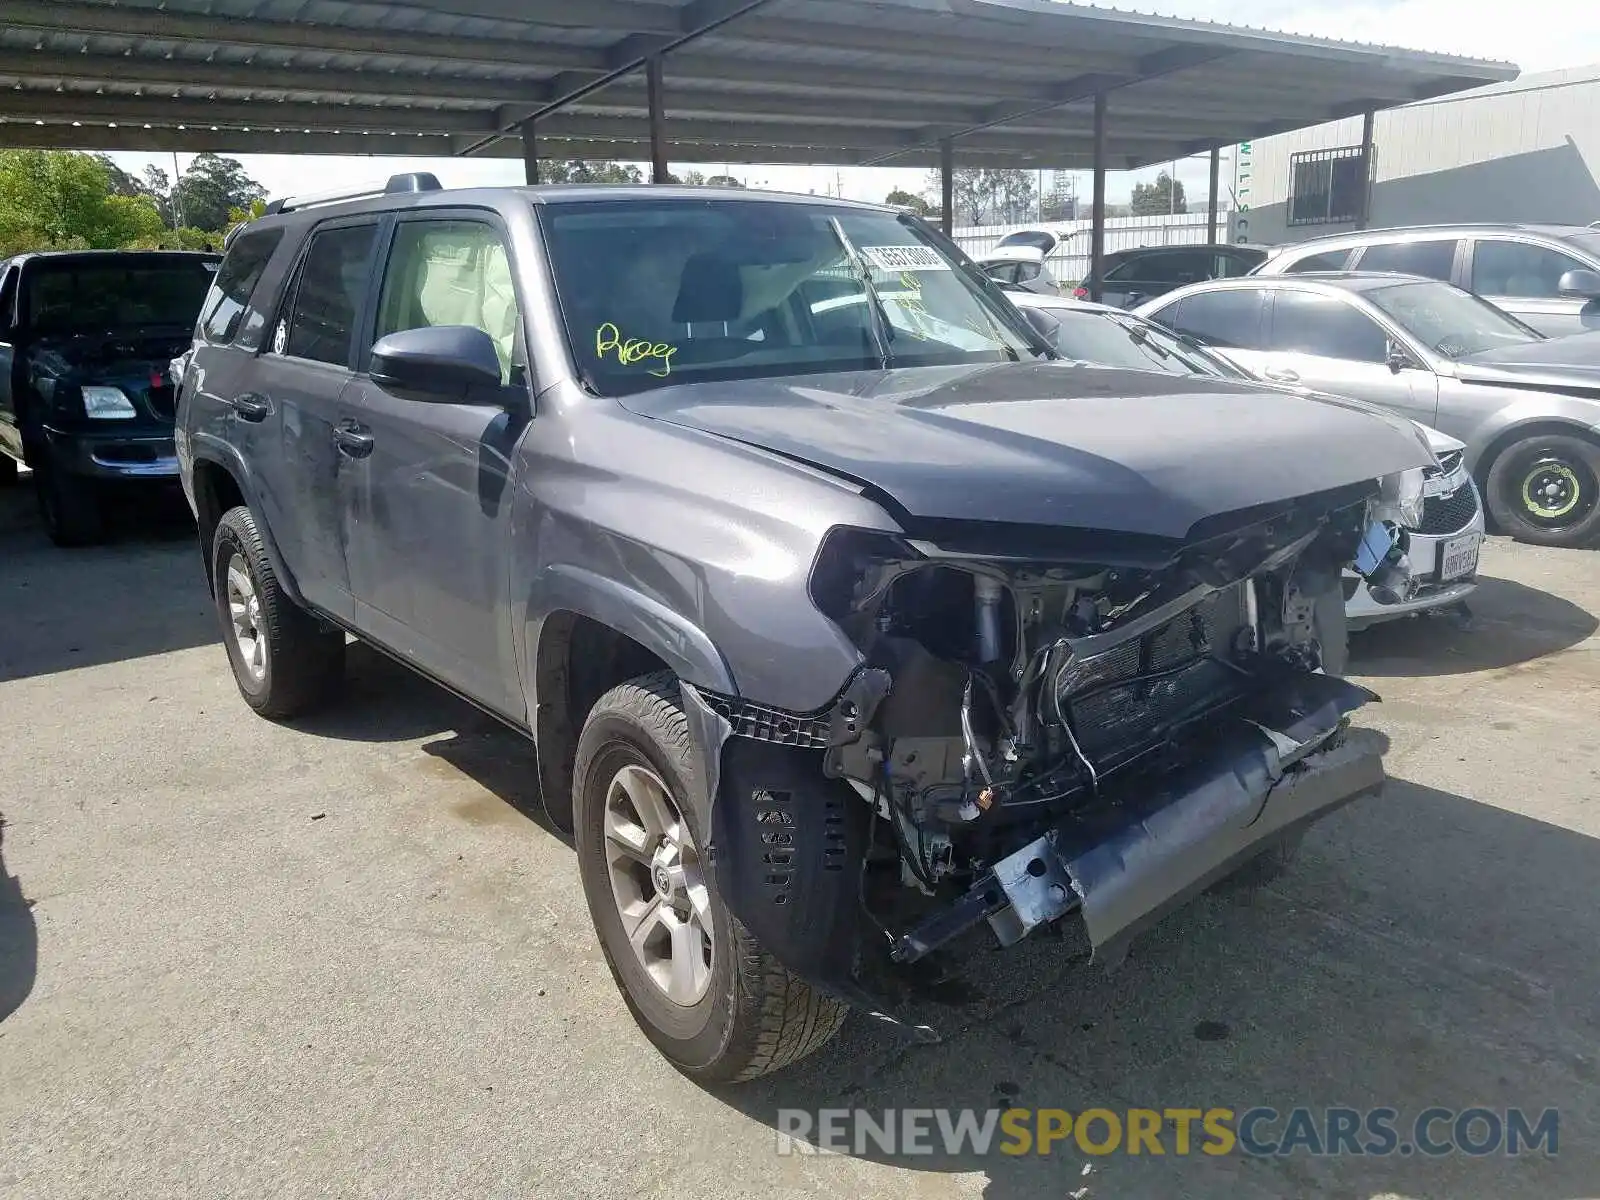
(1050, 444)
(1552, 362)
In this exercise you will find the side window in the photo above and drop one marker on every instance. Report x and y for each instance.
(1431, 259)
(1002, 272)
(328, 295)
(451, 273)
(1230, 319)
(1328, 260)
(1304, 323)
(1027, 271)
(1159, 267)
(234, 284)
(1519, 269)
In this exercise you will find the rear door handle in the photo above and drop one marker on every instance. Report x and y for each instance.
(251, 407)
(1282, 374)
(353, 441)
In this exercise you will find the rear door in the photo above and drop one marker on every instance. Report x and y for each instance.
(295, 393)
(1431, 258)
(1329, 343)
(1521, 276)
(428, 501)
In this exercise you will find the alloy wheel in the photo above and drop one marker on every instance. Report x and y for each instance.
(244, 611)
(659, 885)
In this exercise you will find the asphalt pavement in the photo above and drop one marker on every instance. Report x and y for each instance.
(347, 958)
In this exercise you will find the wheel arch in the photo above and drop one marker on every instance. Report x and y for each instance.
(594, 634)
(1511, 434)
(219, 480)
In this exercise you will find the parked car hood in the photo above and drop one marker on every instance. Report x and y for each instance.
(1553, 361)
(1050, 444)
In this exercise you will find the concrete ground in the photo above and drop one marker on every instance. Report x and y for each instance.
(349, 959)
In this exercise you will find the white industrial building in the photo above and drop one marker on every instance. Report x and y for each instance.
(1525, 151)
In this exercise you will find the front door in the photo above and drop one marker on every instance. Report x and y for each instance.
(10, 364)
(1325, 342)
(426, 486)
(1523, 278)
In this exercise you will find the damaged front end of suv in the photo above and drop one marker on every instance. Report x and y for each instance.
(1042, 727)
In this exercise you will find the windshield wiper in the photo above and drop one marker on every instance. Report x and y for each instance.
(882, 331)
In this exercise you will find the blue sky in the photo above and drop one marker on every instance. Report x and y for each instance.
(1544, 35)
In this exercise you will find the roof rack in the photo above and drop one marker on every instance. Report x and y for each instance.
(416, 181)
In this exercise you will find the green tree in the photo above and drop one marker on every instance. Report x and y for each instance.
(1160, 198)
(899, 198)
(986, 195)
(577, 170)
(210, 188)
(54, 199)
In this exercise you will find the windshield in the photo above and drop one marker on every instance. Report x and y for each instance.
(670, 290)
(1449, 321)
(96, 297)
(1106, 339)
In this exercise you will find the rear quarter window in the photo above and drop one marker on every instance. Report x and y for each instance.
(1328, 260)
(222, 316)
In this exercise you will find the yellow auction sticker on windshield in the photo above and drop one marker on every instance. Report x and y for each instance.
(608, 339)
(905, 258)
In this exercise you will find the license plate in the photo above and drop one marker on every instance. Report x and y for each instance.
(1458, 557)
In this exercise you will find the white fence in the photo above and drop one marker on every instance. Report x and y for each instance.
(1070, 262)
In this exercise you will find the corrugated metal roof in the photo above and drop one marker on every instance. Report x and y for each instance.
(844, 81)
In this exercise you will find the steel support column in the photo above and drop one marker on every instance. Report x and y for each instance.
(658, 133)
(1216, 181)
(1365, 213)
(530, 153)
(947, 185)
(1097, 222)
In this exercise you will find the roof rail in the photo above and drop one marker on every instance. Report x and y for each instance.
(416, 181)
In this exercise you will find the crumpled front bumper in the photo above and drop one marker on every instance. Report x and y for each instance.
(787, 845)
(1271, 770)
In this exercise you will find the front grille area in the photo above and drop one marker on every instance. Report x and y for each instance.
(1112, 718)
(1449, 514)
(1448, 462)
(808, 731)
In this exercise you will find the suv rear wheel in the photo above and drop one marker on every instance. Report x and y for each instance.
(283, 660)
(1545, 489)
(700, 986)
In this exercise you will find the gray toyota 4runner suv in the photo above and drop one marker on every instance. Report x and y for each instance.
(844, 619)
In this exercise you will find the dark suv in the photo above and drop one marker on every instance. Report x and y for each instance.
(844, 617)
(86, 401)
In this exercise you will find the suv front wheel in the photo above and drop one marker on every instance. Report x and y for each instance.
(283, 660)
(1545, 489)
(700, 986)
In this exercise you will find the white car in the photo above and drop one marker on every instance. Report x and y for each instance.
(1019, 259)
(1442, 548)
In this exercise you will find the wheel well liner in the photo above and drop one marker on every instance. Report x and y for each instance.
(215, 492)
(579, 660)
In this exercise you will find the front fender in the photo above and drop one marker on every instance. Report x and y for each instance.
(1527, 409)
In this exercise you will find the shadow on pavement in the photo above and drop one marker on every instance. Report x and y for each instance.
(19, 938)
(1424, 950)
(1511, 623)
(141, 593)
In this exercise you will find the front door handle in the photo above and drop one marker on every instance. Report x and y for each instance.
(251, 407)
(1282, 375)
(353, 441)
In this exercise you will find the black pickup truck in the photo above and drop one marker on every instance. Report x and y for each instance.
(86, 400)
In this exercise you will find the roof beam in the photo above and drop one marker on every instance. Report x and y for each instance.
(1152, 66)
(624, 15)
(269, 114)
(163, 25)
(698, 19)
(185, 73)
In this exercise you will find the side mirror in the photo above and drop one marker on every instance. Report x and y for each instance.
(1579, 283)
(442, 363)
(1396, 358)
(1045, 325)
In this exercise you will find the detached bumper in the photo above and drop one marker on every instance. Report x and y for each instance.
(1271, 772)
(113, 454)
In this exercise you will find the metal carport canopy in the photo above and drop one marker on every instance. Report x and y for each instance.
(840, 82)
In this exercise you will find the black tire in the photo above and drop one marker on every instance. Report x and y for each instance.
(8, 471)
(1545, 489)
(755, 1016)
(300, 661)
(68, 505)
